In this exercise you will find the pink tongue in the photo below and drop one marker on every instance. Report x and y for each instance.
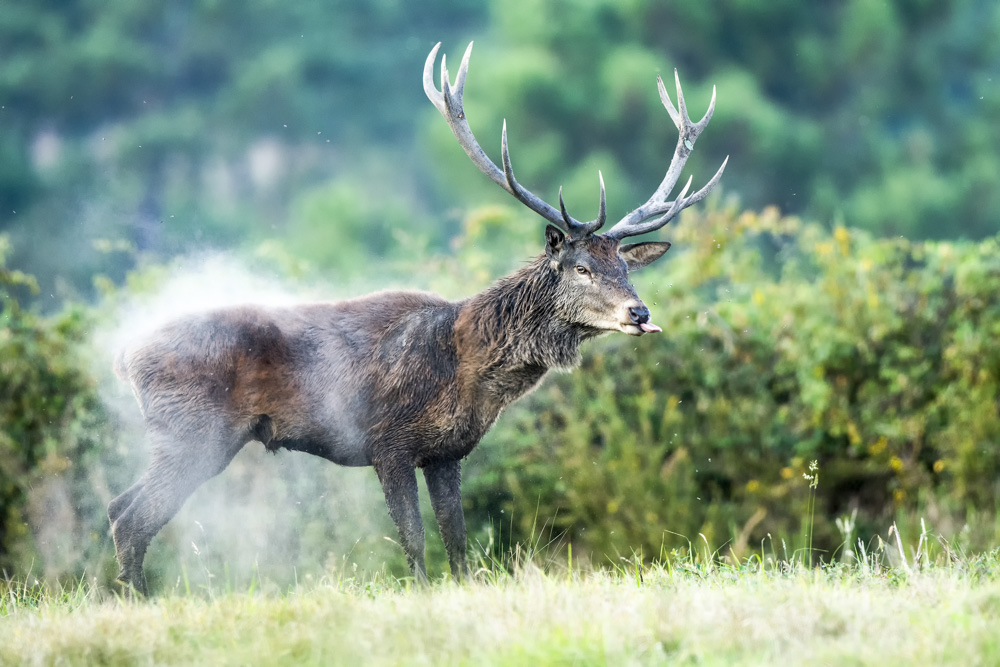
(649, 327)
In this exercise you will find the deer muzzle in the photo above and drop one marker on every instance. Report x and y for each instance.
(638, 320)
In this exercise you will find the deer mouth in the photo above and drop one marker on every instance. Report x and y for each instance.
(634, 329)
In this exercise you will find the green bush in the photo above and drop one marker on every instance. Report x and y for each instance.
(783, 344)
(51, 424)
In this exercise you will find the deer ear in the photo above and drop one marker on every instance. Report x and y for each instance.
(638, 255)
(555, 241)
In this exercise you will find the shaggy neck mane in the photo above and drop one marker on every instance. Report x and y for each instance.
(518, 323)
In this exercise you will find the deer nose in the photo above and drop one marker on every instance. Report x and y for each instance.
(638, 314)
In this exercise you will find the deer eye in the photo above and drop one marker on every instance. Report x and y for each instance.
(582, 270)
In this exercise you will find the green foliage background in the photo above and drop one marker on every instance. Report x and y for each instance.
(860, 333)
(217, 123)
(784, 344)
(52, 425)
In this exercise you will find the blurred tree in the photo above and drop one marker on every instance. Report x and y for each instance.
(171, 128)
(167, 128)
(178, 126)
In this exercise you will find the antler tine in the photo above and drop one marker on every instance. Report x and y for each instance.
(448, 101)
(445, 78)
(665, 99)
(463, 69)
(640, 220)
(681, 106)
(436, 98)
(602, 211)
(703, 123)
(701, 194)
(562, 208)
(669, 210)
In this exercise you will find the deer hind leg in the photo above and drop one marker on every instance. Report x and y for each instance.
(121, 503)
(129, 546)
(444, 487)
(179, 465)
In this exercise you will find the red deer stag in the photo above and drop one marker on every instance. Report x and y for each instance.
(393, 380)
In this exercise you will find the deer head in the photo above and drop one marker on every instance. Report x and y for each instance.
(592, 268)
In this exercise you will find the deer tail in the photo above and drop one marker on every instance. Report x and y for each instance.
(121, 365)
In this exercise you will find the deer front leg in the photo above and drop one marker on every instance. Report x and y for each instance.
(399, 483)
(444, 486)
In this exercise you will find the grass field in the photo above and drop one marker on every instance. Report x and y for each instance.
(684, 611)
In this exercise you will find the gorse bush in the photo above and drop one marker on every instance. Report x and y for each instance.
(783, 343)
(51, 427)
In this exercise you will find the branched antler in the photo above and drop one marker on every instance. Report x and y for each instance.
(448, 101)
(657, 211)
(652, 215)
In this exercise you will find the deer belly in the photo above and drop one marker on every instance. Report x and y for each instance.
(329, 429)
(330, 448)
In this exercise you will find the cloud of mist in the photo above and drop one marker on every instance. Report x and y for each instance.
(195, 284)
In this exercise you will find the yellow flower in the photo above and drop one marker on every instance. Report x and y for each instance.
(872, 299)
(896, 463)
(787, 473)
(843, 238)
(939, 466)
(753, 485)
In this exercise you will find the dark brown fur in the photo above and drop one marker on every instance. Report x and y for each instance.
(395, 380)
